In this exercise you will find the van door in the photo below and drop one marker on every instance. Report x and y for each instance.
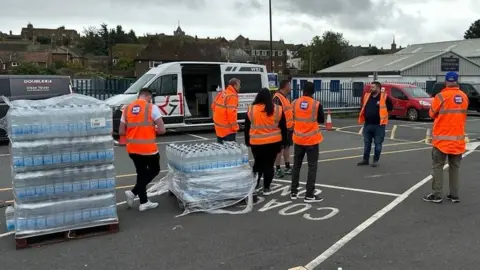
(169, 97)
(400, 102)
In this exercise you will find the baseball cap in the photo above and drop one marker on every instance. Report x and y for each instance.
(451, 76)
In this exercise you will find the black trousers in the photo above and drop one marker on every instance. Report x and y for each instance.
(312, 159)
(264, 161)
(148, 167)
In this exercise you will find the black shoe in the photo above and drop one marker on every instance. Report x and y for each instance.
(363, 163)
(293, 196)
(432, 198)
(312, 199)
(266, 192)
(255, 198)
(452, 198)
(375, 164)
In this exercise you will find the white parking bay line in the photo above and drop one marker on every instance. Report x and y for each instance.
(199, 137)
(360, 228)
(345, 188)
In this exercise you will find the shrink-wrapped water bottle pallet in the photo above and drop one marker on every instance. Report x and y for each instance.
(57, 237)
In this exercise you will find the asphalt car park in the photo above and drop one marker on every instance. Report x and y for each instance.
(371, 218)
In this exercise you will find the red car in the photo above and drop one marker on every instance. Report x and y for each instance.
(408, 100)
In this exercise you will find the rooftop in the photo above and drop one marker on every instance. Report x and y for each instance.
(381, 63)
(466, 47)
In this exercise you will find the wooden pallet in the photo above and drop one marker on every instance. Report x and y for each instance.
(52, 238)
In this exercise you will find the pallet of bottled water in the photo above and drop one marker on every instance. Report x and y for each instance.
(62, 163)
(208, 176)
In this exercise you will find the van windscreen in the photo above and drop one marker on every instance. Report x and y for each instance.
(416, 92)
(139, 84)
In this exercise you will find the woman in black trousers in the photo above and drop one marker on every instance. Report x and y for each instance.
(265, 143)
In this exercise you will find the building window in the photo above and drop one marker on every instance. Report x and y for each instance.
(153, 64)
(14, 64)
(264, 53)
(280, 53)
(280, 64)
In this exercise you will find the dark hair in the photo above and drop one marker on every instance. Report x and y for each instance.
(145, 92)
(283, 83)
(378, 84)
(265, 97)
(308, 89)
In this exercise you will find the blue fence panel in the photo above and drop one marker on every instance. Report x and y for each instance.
(101, 88)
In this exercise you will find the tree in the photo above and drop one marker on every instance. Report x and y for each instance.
(325, 51)
(125, 64)
(374, 51)
(44, 40)
(473, 31)
(32, 69)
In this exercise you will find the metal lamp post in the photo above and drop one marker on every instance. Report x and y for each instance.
(271, 36)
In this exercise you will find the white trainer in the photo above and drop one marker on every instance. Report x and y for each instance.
(147, 206)
(130, 197)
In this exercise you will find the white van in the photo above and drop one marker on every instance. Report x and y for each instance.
(184, 91)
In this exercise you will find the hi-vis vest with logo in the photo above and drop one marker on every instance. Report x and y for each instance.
(224, 109)
(449, 109)
(264, 129)
(382, 110)
(141, 133)
(306, 130)
(287, 109)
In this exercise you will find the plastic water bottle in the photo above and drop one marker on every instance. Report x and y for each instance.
(10, 218)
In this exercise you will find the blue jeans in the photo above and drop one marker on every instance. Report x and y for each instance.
(375, 134)
(229, 138)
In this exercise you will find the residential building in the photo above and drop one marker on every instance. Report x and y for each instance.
(260, 52)
(59, 34)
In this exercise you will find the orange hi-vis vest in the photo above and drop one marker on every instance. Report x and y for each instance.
(449, 109)
(140, 128)
(287, 109)
(224, 109)
(306, 130)
(383, 109)
(264, 129)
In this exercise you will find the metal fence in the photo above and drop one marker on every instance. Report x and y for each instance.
(338, 96)
(101, 88)
(334, 95)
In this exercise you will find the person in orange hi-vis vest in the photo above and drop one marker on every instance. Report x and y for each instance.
(265, 133)
(138, 126)
(307, 115)
(281, 99)
(449, 111)
(374, 117)
(224, 108)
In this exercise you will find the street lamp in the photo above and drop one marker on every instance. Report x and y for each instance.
(271, 38)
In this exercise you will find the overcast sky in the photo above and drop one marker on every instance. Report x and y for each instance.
(361, 21)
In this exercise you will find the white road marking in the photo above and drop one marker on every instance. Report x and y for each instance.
(347, 238)
(198, 137)
(345, 188)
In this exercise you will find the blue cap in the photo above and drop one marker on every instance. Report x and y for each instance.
(451, 76)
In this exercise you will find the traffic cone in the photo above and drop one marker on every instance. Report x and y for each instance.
(328, 123)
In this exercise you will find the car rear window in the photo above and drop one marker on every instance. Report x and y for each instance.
(38, 88)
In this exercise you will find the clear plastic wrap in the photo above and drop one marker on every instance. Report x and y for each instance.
(208, 177)
(62, 156)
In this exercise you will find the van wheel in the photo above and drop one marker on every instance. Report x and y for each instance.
(412, 114)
